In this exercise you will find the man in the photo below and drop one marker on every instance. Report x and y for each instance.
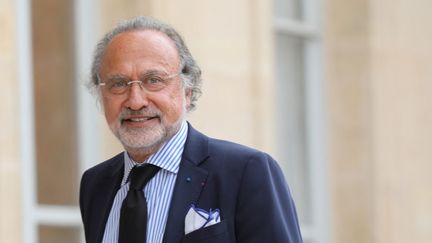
(200, 189)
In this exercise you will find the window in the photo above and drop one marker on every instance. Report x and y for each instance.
(300, 109)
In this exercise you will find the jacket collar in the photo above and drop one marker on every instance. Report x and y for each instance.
(196, 147)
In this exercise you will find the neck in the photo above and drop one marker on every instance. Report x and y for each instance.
(140, 155)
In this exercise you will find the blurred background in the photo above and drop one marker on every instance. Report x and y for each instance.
(338, 91)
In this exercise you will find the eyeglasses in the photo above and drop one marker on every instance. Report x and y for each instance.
(150, 82)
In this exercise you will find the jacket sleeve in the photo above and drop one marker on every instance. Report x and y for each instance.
(83, 200)
(265, 208)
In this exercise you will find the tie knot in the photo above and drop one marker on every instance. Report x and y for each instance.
(140, 175)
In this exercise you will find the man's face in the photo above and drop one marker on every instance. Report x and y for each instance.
(143, 119)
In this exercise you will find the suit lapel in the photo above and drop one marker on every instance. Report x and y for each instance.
(189, 184)
(105, 194)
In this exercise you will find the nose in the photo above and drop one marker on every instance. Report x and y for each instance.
(137, 97)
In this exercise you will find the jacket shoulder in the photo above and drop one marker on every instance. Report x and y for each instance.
(234, 151)
(108, 165)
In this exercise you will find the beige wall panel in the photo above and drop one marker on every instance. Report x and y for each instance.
(10, 204)
(402, 120)
(263, 74)
(348, 92)
(113, 11)
(10, 182)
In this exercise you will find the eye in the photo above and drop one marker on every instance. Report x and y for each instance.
(153, 80)
(119, 84)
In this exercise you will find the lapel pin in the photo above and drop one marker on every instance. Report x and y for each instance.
(188, 179)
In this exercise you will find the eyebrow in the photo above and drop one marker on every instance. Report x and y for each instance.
(141, 76)
(117, 76)
(152, 72)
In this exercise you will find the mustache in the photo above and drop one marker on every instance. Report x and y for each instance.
(126, 113)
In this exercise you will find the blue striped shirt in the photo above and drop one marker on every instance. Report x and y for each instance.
(158, 190)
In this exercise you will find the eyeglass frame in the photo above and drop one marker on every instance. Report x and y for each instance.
(139, 82)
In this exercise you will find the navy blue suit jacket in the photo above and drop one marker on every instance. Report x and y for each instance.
(246, 185)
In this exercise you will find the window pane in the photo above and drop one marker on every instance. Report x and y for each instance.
(56, 142)
(288, 8)
(51, 234)
(291, 125)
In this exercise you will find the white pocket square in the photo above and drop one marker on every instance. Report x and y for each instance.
(198, 218)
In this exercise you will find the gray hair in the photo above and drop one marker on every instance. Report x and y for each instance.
(190, 73)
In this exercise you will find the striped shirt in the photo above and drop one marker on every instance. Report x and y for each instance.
(158, 190)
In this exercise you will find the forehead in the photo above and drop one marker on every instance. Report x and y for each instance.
(140, 49)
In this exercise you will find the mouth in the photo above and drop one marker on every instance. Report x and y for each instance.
(139, 121)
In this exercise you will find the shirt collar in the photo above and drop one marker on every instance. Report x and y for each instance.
(168, 157)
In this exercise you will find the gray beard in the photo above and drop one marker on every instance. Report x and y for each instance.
(142, 140)
(145, 141)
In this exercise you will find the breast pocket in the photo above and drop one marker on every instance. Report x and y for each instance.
(217, 233)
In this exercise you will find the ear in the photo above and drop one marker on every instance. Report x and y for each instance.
(188, 97)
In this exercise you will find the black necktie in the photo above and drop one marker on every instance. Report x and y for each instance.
(133, 214)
